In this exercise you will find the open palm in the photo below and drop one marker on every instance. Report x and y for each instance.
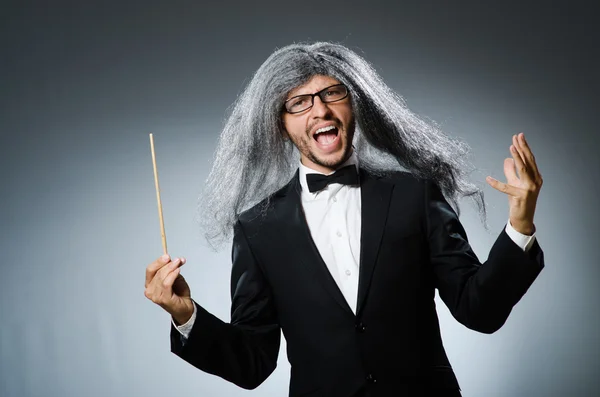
(523, 184)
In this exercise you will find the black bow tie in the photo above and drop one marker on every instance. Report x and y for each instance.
(345, 176)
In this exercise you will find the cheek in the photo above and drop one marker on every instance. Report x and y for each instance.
(345, 115)
(348, 121)
(295, 129)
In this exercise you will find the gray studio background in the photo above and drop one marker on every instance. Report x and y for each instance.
(83, 84)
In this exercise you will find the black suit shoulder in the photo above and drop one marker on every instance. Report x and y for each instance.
(259, 212)
(402, 178)
(409, 184)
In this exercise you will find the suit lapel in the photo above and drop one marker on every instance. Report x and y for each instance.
(302, 244)
(375, 201)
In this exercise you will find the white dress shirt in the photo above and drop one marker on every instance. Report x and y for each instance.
(333, 216)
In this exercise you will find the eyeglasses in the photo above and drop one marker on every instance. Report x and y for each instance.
(304, 102)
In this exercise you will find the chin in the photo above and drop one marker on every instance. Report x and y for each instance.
(332, 160)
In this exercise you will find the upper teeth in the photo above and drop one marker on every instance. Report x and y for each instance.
(324, 129)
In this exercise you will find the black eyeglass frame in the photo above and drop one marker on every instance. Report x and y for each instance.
(312, 98)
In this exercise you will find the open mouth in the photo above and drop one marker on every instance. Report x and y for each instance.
(326, 136)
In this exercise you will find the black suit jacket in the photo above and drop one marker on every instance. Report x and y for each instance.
(411, 243)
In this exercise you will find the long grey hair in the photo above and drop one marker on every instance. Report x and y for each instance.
(254, 158)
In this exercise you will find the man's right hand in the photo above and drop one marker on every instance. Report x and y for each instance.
(168, 289)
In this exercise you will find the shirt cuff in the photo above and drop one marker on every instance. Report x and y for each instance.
(522, 240)
(186, 328)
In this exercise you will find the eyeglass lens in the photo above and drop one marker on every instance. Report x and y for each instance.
(327, 95)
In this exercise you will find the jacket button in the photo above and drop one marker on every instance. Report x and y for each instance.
(371, 378)
(360, 327)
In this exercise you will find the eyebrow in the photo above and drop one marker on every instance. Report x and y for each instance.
(289, 96)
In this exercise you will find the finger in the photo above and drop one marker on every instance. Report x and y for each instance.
(525, 156)
(170, 279)
(510, 171)
(179, 282)
(515, 143)
(528, 153)
(161, 273)
(155, 286)
(160, 291)
(529, 164)
(519, 164)
(155, 266)
(502, 187)
(165, 270)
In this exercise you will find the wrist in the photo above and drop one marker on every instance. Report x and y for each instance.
(184, 315)
(526, 228)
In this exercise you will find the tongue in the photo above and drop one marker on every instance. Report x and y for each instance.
(325, 138)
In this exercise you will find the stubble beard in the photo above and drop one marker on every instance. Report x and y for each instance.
(305, 148)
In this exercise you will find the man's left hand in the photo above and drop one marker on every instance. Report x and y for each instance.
(522, 189)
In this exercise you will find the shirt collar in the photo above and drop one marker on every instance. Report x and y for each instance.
(303, 170)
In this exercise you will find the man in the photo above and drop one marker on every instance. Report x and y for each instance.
(345, 264)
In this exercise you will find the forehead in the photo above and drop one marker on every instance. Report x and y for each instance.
(315, 84)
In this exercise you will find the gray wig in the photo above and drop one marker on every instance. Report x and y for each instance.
(254, 158)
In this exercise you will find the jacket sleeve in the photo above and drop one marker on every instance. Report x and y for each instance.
(480, 296)
(245, 350)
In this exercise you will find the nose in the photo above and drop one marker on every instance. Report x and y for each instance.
(319, 108)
